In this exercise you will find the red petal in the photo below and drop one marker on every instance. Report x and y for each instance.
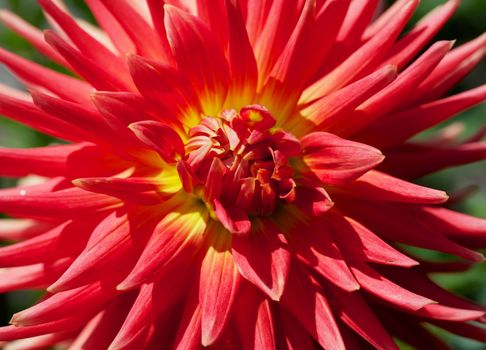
(355, 312)
(313, 201)
(101, 330)
(359, 243)
(37, 276)
(379, 186)
(9, 333)
(88, 45)
(159, 137)
(214, 182)
(241, 58)
(67, 239)
(335, 160)
(395, 223)
(208, 70)
(31, 34)
(408, 46)
(422, 160)
(81, 302)
(111, 26)
(95, 74)
(146, 40)
(443, 312)
(329, 110)
(388, 291)
(33, 74)
(28, 114)
(22, 229)
(296, 337)
(263, 259)
(315, 246)
(312, 310)
(397, 128)
(112, 246)
(189, 334)
(365, 57)
(67, 202)
(255, 321)
(152, 300)
(219, 283)
(393, 95)
(140, 190)
(173, 240)
(233, 219)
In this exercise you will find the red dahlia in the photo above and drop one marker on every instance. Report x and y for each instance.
(236, 176)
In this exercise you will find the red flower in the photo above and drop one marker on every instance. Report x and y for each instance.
(236, 177)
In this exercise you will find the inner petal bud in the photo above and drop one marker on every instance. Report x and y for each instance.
(239, 164)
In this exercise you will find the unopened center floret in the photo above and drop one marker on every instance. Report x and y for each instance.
(240, 162)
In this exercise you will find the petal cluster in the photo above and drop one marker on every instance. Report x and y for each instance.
(237, 174)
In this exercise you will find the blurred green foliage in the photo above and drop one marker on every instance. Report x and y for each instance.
(468, 22)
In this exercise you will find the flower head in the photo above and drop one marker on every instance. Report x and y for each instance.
(237, 174)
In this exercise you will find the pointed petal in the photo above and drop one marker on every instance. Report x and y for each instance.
(241, 58)
(74, 114)
(140, 190)
(414, 41)
(386, 290)
(208, 71)
(219, 283)
(365, 57)
(358, 242)
(263, 259)
(312, 310)
(397, 128)
(57, 204)
(62, 85)
(82, 301)
(88, 45)
(317, 249)
(313, 201)
(47, 161)
(174, 239)
(95, 74)
(189, 333)
(443, 312)
(334, 160)
(22, 229)
(255, 322)
(375, 185)
(355, 313)
(66, 239)
(152, 300)
(35, 276)
(10, 333)
(31, 34)
(146, 40)
(330, 109)
(395, 223)
(455, 66)
(422, 160)
(393, 95)
(28, 114)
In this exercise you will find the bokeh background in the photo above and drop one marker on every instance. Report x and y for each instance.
(468, 22)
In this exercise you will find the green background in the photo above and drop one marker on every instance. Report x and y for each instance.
(468, 22)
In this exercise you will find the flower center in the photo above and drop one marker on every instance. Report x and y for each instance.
(239, 162)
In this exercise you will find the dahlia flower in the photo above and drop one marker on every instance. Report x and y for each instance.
(237, 174)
